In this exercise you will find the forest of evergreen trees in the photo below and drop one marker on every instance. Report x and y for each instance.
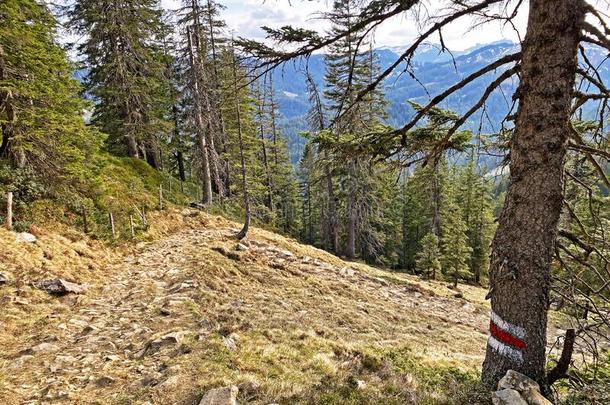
(168, 89)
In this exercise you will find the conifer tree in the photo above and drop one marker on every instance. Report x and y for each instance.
(349, 69)
(41, 122)
(476, 201)
(125, 69)
(454, 241)
(307, 191)
(428, 259)
(242, 160)
(201, 91)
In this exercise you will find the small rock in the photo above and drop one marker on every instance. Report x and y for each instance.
(150, 380)
(26, 237)
(241, 247)
(4, 278)
(20, 361)
(346, 272)
(157, 344)
(104, 381)
(230, 343)
(45, 348)
(360, 385)
(60, 287)
(20, 301)
(507, 397)
(169, 339)
(221, 396)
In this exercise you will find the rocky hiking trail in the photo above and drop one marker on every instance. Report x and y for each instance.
(170, 319)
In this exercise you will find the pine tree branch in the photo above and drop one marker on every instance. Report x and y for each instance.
(410, 52)
(439, 98)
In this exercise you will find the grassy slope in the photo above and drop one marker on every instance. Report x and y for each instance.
(308, 328)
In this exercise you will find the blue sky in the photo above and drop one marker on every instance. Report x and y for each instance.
(245, 17)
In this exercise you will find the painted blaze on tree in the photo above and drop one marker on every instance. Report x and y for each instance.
(524, 243)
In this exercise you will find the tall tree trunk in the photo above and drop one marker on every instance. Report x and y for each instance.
(222, 165)
(333, 234)
(180, 161)
(436, 200)
(261, 114)
(206, 177)
(523, 246)
(244, 180)
(350, 248)
(199, 43)
(6, 105)
(152, 155)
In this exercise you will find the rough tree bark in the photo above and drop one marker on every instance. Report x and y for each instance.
(206, 177)
(352, 216)
(244, 179)
(523, 246)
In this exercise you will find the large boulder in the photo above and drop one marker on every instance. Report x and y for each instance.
(518, 382)
(221, 396)
(518, 389)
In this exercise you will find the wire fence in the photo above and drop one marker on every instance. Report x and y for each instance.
(117, 223)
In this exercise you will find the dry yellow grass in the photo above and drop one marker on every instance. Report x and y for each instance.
(288, 323)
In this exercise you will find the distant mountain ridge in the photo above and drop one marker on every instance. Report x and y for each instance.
(435, 71)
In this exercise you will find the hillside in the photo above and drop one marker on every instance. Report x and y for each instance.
(165, 320)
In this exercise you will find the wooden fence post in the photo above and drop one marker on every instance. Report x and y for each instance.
(131, 229)
(9, 211)
(161, 196)
(85, 224)
(111, 218)
(143, 216)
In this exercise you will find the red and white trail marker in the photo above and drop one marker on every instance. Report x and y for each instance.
(506, 338)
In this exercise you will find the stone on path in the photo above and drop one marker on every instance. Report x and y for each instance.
(241, 247)
(26, 237)
(221, 396)
(59, 286)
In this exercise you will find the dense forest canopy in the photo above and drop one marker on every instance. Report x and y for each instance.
(514, 198)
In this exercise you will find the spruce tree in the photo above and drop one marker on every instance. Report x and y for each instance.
(124, 62)
(454, 240)
(476, 201)
(42, 127)
(428, 260)
(350, 65)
